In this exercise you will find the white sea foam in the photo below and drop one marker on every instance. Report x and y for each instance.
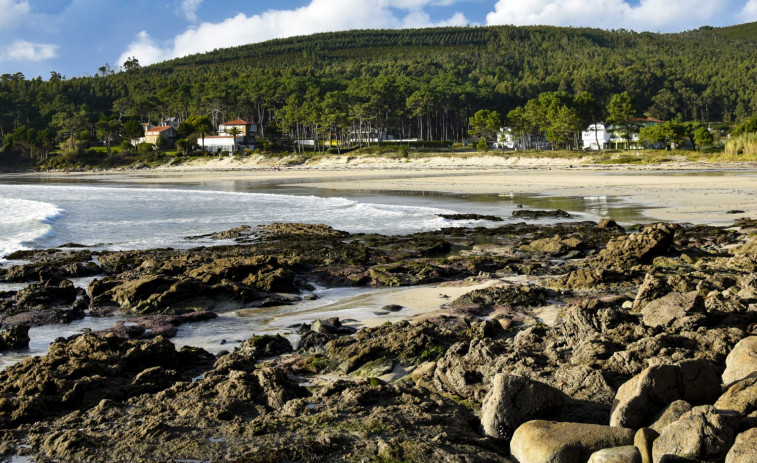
(129, 218)
(23, 221)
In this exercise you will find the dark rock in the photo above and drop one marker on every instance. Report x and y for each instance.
(239, 233)
(259, 347)
(608, 223)
(313, 341)
(150, 326)
(331, 326)
(533, 214)
(392, 308)
(42, 303)
(78, 374)
(491, 218)
(14, 337)
(521, 296)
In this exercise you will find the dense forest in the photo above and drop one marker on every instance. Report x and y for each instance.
(426, 84)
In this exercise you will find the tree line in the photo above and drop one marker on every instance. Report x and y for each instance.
(425, 84)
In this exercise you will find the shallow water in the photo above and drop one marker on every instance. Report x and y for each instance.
(41, 213)
(234, 326)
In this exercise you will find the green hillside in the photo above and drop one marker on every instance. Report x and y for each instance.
(746, 31)
(423, 83)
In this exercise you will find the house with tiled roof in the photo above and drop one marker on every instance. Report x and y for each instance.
(155, 134)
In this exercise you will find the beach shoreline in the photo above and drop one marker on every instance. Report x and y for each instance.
(683, 192)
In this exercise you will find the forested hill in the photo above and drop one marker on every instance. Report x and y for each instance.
(424, 83)
(335, 46)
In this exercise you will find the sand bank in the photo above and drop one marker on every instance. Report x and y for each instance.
(675, 192)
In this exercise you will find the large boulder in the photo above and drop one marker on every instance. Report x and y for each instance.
(673, 309)
(639, 248)
(513, 400)
(703, 434)
(744, 448)
(553, 442)
(742, 361)
(740, 396)
(669, 415)
(644, 395)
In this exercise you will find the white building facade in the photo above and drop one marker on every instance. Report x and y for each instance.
(596, 137)
(505, 139)
(216, 144)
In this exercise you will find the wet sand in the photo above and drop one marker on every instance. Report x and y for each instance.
(676, 192)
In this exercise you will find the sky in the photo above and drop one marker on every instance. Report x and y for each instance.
(77, 37)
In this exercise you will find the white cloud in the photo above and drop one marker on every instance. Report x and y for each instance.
(12, 12)
(189, 8)
(663, 15)
(21, 50)
(144, 49)
(749, 13)
(317, 16)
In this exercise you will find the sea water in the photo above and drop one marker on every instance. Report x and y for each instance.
(35, 216)
(126, 216)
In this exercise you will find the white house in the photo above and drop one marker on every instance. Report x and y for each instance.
(600, 136)
(218, 143)
(596, 136)
(505, 139)
(232, 136)
(370, 136)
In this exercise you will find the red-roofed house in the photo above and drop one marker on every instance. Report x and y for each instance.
(243, 128)
(154, 134)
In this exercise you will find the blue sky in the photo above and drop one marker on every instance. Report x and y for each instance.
(76, 37)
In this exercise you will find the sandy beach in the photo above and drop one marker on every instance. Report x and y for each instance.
(673, 192)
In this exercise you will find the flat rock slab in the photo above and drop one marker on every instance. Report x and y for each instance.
(555, 442)
(672, 307)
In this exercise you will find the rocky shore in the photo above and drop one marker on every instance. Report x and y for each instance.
(649, 353)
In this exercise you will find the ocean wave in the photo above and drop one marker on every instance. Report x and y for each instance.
(23, 221)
